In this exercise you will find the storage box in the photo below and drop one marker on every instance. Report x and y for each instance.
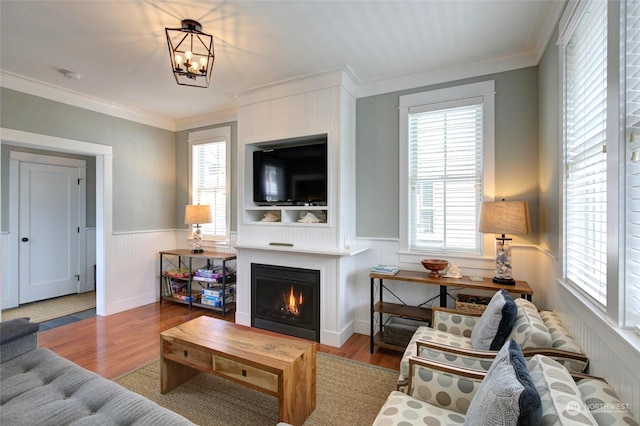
(399, 331)
(184, 295)
(216, 275)
(177, 273)
(216, 301)
(471, 303)
(217, 291)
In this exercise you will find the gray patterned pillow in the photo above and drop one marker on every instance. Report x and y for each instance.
(495, 325)
(507, 395)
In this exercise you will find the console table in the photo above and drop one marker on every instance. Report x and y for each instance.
(417, 312)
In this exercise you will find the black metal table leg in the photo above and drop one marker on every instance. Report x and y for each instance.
(443, 296)
(371, 318)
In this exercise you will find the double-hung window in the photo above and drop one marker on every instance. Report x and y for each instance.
(600, 57)
(447, 152)
(209, 179)
(585, 153)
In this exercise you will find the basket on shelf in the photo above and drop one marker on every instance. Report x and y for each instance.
(194, 297)
(398, 331)
(471, 303)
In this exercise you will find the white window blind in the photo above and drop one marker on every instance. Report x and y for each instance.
(445, 158)
(585, 197)
(209, 184)
(632, 261)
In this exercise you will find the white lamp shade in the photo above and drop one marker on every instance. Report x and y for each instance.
(197, 214)
(504, 217)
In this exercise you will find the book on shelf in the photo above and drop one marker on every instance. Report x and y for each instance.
(385, 269)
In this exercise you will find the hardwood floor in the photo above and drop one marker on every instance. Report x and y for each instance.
(114, 345)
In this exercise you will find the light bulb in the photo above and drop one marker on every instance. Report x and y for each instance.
(188, 54)
(203, 62)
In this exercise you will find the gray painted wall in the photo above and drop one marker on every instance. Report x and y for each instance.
(150, 165)
(144, 166)
(549, 149)
(377, 168)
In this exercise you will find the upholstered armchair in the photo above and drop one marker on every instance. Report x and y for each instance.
(450, 339)
(512, 391)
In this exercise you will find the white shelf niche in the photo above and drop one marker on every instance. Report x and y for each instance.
(286, 215)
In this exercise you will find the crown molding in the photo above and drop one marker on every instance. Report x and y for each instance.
(550, 25)
(54, 93)
(445, 75)
(473, 69)
(219, 117)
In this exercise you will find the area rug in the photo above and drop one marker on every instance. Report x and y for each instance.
(347, 393)
(53, 308)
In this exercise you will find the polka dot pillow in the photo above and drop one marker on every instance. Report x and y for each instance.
(562, 402)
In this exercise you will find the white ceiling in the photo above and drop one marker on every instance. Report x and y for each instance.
(120, 48)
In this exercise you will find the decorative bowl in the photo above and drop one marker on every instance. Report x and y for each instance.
(434, 265)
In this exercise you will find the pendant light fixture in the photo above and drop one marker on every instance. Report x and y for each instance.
(191, 53)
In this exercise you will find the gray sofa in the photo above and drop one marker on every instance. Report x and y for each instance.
(38, 387)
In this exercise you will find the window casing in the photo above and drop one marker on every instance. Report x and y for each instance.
(631, 299)
(447, 155)
(209, 178)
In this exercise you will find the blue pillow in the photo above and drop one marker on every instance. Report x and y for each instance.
(495, 325)
(509, 312)
(507, 394)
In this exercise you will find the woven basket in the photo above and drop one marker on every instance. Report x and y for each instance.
(399, 331)
(470, 303)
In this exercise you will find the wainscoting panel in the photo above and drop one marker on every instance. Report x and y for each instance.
(135, 269)
(387, 251)
(611, 355)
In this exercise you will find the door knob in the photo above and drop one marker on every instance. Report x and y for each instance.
(25, 239)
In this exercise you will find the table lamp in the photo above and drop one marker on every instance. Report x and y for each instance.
(195, 215)
(504, 217)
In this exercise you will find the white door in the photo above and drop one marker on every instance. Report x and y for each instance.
(49, 231)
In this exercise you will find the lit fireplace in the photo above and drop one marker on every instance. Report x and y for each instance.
(286, 300)
(292, 303)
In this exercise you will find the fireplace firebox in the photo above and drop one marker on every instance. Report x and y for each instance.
(286, 300)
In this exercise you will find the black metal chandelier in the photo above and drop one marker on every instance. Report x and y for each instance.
(191, 53)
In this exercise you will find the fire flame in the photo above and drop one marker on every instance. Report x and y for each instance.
(292, 303)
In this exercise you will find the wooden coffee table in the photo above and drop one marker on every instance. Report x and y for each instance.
(277, 365)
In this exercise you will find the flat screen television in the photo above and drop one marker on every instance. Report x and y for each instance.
(293, 174)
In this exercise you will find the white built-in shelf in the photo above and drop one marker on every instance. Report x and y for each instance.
(287, 215)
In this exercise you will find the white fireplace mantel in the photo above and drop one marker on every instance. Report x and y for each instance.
(337, 275)
(322, 104)
(351, 251)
